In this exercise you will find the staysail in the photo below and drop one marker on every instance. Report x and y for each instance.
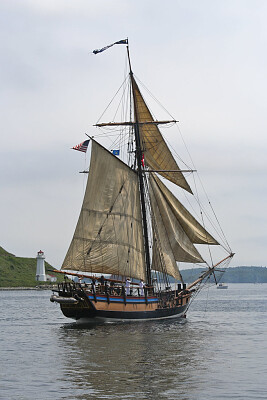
(157, 154)
(108, 237)
(193, 229)
(175, 231)
(173, 242)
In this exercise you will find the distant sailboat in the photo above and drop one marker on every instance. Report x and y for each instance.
(132, 226)
(222, 286)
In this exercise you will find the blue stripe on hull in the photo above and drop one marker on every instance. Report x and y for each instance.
(121, 299)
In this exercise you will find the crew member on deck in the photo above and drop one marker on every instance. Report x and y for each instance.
(127, 285)
(102, 283)
(141, 287)
(111, 288)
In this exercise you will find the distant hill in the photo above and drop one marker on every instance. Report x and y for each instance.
(18, 271)
(231, 275)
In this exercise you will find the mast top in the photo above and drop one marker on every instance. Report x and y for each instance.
(129, 60)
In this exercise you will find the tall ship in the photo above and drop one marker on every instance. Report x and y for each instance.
(133, 234)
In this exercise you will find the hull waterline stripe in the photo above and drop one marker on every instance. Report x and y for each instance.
(121, 300)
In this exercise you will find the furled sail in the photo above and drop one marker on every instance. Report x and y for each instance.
(108, 236)
(193, 229)
(156, 152)
(175, 245)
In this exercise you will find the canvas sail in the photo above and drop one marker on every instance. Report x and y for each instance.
(175, 245)
(193, 229)
(162, 257)
(156, 152)
(108, 237)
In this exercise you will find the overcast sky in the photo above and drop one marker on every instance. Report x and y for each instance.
(206, 62)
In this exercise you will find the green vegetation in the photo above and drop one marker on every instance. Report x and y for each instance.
(19, 271)
(231, 275)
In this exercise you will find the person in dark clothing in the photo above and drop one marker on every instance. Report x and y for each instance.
(102, 283)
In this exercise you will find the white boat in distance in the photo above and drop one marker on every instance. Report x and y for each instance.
(222, 286)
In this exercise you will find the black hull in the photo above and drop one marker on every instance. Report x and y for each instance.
(75, 313)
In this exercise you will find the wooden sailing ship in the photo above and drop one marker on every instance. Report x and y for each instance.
(132, 228)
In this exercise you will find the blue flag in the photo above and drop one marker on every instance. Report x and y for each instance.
(116, 152)
(124, 41)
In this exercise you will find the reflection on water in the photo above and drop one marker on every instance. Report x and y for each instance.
(144, 361)
(218, 353)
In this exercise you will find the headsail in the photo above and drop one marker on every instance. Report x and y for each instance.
(171, 234)
(162, 258)
(157, 153)
(108, 236)
(193, 229)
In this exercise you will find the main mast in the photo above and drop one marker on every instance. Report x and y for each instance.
(140, 176)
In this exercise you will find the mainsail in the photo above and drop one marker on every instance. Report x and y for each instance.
(157, 154)
(108, 237)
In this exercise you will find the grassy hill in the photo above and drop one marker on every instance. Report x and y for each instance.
(18, 271)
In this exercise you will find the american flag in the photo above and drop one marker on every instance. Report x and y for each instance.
(82, 146)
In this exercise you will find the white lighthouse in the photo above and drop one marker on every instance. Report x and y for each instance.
(40, 270)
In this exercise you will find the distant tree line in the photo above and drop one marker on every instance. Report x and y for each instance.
(231, 275)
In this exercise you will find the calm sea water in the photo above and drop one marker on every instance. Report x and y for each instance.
(218, 352)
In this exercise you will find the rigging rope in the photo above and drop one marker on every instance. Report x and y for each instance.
(124, 135)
